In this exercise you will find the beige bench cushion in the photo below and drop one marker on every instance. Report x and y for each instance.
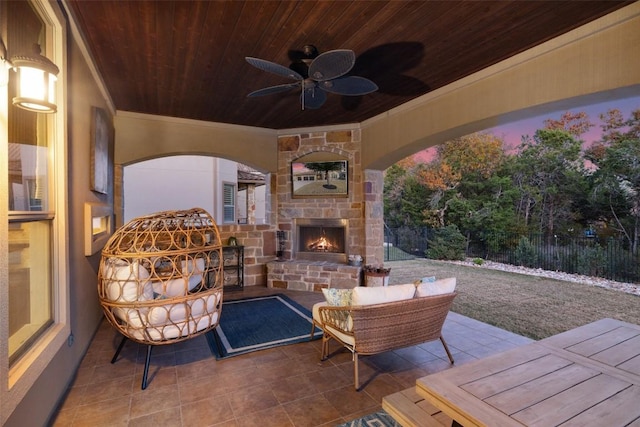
(341, 336)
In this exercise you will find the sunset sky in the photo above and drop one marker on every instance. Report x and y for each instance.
(512, 132)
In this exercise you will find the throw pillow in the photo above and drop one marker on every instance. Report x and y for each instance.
(442, 286)
(338, 297)
(427, 279)
(127, 282)
(380, 294)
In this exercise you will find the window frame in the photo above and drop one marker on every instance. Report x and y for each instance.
(15, 381)
(233, 188)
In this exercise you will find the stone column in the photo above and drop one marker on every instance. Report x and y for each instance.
(373, 217)
(251, 204)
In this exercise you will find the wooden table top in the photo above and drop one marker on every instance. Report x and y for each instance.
(588, 376)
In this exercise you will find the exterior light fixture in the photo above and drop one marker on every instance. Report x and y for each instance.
(37, 77)
(36, 83)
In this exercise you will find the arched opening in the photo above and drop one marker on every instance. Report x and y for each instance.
(232, 192)
(567, 185)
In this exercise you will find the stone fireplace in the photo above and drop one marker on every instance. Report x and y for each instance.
(323, 230)
(320, 239)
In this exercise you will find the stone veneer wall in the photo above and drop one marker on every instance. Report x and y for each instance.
(259, 243)
(344, 143)
(363, 207)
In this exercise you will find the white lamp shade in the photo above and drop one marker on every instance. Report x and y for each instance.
(36, 82)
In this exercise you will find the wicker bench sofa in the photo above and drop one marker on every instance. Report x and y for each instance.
(400, 316)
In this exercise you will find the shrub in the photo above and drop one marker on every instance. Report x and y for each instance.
(621, 264)
(447, 244)
(525, 253)
(478, 261)
(592, 261)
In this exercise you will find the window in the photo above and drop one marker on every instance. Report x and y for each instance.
(30, 212)
(33, 209)
(229, 203)
(30, 284)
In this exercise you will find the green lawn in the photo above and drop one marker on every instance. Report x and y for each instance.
(536, 307)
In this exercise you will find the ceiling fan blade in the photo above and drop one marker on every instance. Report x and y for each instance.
(274, 68)
(313, 98)
(332, 64)
(350, 85)
(273, 89)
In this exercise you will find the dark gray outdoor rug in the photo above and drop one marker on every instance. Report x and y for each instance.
(377, 419)
(259, 323)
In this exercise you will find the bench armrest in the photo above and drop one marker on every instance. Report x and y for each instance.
(338, 318)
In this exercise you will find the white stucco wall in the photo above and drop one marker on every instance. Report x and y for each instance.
(168, 183)
(177, 182)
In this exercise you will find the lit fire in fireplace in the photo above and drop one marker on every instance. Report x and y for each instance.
(321, 239)
(321, 245)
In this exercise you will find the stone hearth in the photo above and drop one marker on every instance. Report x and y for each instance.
(311, 275)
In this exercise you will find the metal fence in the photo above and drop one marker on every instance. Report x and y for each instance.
(608, 258)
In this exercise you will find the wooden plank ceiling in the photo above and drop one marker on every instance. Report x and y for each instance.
(187, 58)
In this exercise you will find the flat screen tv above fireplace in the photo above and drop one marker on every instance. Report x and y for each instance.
(319, 179)
(321, 239)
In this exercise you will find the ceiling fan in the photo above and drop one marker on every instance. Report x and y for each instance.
(315, 75)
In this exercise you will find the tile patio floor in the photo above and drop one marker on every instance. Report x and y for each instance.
(283, 386)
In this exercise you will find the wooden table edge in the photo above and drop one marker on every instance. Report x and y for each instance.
(446, 403)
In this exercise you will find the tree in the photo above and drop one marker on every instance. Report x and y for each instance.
(480, 153)
(404, 197)
(617, 157)
(474, 156)
(575, 124)
(440, 180)
(325, 168)
(614, 124)
(484, 207)
(548, 171)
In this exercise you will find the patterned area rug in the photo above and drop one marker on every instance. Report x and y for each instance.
(254, 324)
(377, 419)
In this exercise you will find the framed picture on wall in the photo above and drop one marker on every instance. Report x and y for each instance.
(320, 179)
(100, 142)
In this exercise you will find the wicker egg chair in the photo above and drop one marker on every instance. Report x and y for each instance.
(160, 279)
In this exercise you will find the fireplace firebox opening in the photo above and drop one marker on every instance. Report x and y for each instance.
(321, 239)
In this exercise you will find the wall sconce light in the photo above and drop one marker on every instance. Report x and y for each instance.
(37, 77)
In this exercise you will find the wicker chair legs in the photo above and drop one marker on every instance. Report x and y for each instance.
(356, 379)
(325, 346)
(444, 344)
(146, 367)
(115, 356)
(212, 340)
(146, 361)
(314, 325)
